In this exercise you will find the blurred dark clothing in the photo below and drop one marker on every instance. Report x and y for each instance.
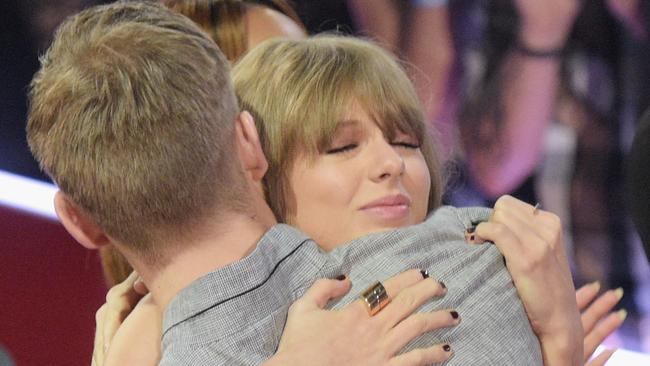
(638, 181)
(25, 33)
(322, 16)
(18, 62)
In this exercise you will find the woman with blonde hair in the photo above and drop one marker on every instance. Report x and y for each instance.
(349, 155)
(321, 165)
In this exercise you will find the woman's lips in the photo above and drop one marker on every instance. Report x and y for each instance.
(395, 207)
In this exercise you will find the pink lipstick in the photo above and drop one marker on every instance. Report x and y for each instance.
(394, 207)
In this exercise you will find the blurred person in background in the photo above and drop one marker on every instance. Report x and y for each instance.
(578, 150)
(419, 32)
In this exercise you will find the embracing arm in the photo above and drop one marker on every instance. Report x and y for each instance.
(129, 334)
(531, 241)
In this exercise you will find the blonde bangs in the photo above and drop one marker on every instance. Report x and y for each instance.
(346, 71)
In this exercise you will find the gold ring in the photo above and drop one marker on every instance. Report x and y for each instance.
(375, 297)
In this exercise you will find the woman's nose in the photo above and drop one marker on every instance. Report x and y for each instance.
(387, 162)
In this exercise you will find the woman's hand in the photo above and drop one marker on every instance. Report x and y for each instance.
(598, 321)
(531, 242)
(128, 326)
(351, 336)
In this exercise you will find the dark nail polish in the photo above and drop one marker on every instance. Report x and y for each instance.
(442, 284)
(471, 237)
(446, 348)
(341, 277)
(454, 314)
(424, 273)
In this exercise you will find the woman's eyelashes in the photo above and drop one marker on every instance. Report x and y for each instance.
(349, 147)
(341, 149)
(405, 144)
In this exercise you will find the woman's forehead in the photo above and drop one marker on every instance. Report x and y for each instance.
(389, 116)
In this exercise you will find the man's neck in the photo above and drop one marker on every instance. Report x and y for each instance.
(235, 238)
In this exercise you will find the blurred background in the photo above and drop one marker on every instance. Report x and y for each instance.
(545, 113)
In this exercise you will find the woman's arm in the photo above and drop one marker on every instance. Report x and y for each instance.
(531, 241)
(130, 334)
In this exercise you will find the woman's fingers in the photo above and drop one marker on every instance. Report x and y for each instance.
(140, 287)
(404, 280)
(601, 358)
(600, 308)
(120, 301)
(123, 295)
(352, 336)
(502, 237)
(98, 347)
(586, 294)
(137, 341)
(423, 356)
(393, 287)
(324, 290)
(597, 321)
(545, 221)
(601, 331)
(410, 299)
(418, 324)
(543, 224)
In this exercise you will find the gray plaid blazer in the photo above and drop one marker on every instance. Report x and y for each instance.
(236, 314)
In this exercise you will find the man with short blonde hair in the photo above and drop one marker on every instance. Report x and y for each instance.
(108, 122)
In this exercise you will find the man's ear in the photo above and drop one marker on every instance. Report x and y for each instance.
(78, 224)
(249, 147)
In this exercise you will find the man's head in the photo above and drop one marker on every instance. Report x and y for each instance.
(132, 115)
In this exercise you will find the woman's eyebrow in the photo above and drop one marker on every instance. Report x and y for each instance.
(348, 123)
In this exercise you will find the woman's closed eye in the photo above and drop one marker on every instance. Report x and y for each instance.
(341, 149)
(406, 144)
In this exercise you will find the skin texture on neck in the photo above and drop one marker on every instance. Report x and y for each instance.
(235, 238)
